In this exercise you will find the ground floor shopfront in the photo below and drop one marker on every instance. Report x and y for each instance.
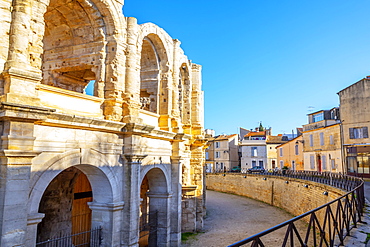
(358, 160)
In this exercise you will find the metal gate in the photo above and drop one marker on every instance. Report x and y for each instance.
(148, 229)
(90, 238)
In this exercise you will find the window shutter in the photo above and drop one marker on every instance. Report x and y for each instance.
(364, 132)
(323, 159)
(351, 133)
(312, 162)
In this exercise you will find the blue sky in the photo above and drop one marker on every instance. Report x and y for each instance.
(270, 61)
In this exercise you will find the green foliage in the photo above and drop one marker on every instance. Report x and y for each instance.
(188, 235)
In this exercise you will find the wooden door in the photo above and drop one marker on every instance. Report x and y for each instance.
(81, 213)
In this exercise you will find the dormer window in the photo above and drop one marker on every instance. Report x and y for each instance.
(318, 117)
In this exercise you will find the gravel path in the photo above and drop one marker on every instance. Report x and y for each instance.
(231, 218)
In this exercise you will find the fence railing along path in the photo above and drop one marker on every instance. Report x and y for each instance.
(327, 225)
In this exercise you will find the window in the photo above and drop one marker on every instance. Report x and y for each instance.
(318, 117)
(296, 150)
(253, 151)
(254, 163)
(281, 164)
(217, 154)
(358, 133)
(331, 139)
(322, 138)
(207, 155)
(217, 144)
(260, 163)
(323, 161)
(281, 152)
(312, 162)
(311, 141)
(333, 164)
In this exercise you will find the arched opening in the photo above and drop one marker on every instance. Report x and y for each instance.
(184, 97)
(154, 209)
(149, 76)
(72, 45)
(65, 205)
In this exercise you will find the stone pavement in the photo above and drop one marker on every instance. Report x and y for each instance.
(231, 218)
(362, 232)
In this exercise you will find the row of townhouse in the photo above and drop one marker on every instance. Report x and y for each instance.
(255, 148)
(318, 148)
(334, 140)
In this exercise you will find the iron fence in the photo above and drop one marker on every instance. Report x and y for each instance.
(337, 180)
(92, 238)
(149, 225)
(328, 224)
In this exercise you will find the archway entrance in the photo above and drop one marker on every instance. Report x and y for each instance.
(64, 204)
(154, 209)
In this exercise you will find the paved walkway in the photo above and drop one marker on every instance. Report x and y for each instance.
(362, 232)
(231, 218)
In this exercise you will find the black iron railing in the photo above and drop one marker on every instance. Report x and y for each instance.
(92, 238)
(148, 224)
(328, 224)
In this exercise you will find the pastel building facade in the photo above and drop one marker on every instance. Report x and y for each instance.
(322, 142)
(222, 152)
(290, 154)
(355, 118)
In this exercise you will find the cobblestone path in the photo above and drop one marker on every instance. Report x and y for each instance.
(231, 218)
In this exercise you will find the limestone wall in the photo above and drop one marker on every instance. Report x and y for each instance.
(292, 196)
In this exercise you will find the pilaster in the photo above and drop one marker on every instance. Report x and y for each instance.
(131, 98)
(15, 170)
(20, 77)
(32, 221)
(131, 211)
(109, 217)
(175, 207)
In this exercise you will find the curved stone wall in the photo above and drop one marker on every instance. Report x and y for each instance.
(293, 195)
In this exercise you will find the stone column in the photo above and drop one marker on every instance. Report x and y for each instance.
(131, 104)
(165, 101)
(15, 170)
(175, 207)
(108, 216)
(175, 113)
(160, 202)
(20, 77)
(197, 163)
(131, 211)
(32, 221)
(197, 106)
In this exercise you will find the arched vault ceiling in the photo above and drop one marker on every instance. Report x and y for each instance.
(71, 22)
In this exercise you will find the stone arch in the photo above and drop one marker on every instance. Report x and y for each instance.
(159, 169)
(104, 182)
(92, 163)
(184, 93)
(155, 53)
(72, 39)
(155, 204)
